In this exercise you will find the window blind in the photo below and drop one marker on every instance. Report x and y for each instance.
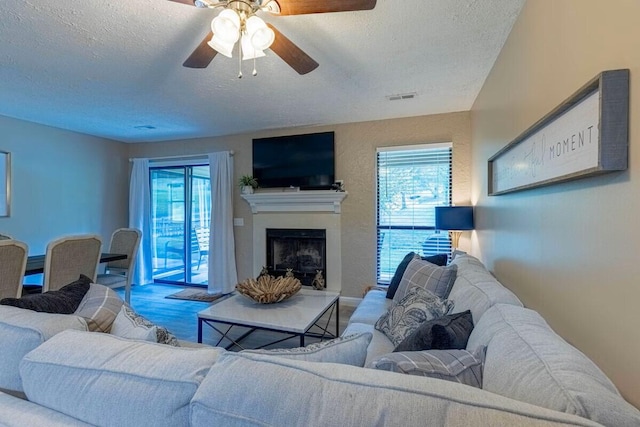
(411, 182)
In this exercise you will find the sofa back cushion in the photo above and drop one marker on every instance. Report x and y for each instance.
(260, 390)
(105, 380)
(476, 289)
(23, 330)
(527, 361)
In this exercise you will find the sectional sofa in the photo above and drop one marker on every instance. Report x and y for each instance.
(64, 375)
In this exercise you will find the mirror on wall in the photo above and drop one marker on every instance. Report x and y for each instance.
(5, 183)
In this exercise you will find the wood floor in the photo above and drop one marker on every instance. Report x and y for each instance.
(180, 318)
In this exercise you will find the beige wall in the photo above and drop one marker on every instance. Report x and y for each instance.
(63, 183)
(570, 251)
(355, 164)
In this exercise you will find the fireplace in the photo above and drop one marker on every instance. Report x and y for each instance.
(304, 251)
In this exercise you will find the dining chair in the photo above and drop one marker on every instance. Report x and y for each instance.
(13, 261)
(69, 257)
(118, 273)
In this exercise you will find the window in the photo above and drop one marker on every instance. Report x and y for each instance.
(412, 181)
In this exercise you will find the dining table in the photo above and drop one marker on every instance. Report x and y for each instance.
(35, 263)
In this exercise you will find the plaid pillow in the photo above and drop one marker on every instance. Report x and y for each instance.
(423, 274)
(460, 366)
(99, 307)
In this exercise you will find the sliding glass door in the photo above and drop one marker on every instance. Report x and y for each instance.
(180, 212)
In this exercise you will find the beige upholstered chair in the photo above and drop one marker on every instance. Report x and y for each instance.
(118, 273)
(69, 257)
(13, 261)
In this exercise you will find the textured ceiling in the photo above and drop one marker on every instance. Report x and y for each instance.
(112, 68)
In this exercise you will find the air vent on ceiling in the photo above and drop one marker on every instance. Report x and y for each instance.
(402, 96)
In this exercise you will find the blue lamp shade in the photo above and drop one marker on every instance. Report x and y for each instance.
(454, 218)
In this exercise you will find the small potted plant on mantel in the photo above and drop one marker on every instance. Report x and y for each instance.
(247, 184)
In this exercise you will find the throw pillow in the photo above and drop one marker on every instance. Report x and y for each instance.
(99, 307)
(404, 317)
(346, 350)
(129, 324)
(63, 301)
(448, 332)
(434, 278)
(439, 259)
(460, 366)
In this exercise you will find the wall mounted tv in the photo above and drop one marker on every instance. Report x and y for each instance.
(305, 161)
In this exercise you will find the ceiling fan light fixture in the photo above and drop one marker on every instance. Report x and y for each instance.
(221, 46)
(248, 51)
(226, 26)
(261, 36)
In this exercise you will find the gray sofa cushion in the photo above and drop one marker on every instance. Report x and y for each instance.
(271, 391)
(347, 350)
(110, 381)
(379, 344)
(16, 412)
(23, 330)
(373, 305)
(527, 361)
(476, 289)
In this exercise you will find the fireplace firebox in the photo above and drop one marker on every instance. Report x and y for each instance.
(304, 251)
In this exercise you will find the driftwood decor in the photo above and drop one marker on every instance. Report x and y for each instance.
(585, 135)
(268, 289)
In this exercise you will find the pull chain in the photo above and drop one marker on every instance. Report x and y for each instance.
(255, 72)
(239, 60)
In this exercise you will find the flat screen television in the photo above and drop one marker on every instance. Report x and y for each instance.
(305, 161)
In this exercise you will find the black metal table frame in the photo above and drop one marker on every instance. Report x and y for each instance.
(335, 306)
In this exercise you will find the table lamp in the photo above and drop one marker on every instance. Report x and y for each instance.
(454, 219)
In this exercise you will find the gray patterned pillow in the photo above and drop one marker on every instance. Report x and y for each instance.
(404, 317)
(346, 350)
(131, 325)
(460, 366)
(423, 274)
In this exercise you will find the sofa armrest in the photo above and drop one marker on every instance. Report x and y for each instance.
(23, 330)
(18, 412)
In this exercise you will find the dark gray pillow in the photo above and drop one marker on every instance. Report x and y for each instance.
(63, 301)
(448, 332)
(439, 260)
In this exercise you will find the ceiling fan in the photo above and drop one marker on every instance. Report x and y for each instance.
(238, 21)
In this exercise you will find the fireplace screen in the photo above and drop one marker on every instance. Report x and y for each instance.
(301, 250)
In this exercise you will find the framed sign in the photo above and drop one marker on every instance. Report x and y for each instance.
(5, 183)
(588, 134)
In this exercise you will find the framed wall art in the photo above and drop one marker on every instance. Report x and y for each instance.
(588, 134)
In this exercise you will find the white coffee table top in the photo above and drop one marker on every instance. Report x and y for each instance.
(296, 315)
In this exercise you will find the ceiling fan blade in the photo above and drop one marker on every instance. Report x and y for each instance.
(202, 56)
(292, 54)
(303, 7)
(189, 2)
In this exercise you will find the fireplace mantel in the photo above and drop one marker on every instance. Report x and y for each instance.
(296, 201)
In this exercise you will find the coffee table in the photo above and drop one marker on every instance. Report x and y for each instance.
(294, 316)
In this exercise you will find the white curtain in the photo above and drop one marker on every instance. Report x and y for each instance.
(223, 275)
(140, 218)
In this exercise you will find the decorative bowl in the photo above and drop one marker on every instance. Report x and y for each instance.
(268, 289)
